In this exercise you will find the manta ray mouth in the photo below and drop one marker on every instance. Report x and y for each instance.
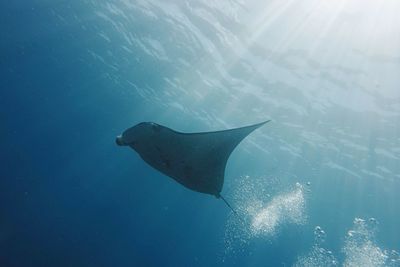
(119, 141)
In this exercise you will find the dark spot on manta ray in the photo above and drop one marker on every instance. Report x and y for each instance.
(203, 155)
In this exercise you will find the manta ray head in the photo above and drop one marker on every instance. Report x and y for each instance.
(137, 134)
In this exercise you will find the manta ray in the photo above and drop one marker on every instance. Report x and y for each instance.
(195, 160)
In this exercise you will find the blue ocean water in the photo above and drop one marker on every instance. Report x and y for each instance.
(317, 186)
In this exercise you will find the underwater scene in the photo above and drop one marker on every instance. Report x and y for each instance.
(200, 133)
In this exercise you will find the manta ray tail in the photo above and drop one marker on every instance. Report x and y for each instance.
(227, 203)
